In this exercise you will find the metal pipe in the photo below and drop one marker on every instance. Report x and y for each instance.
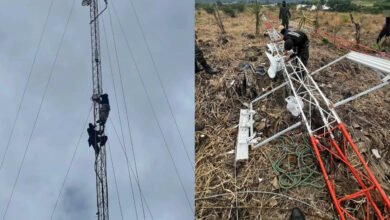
(285, 83)
(329, 64)
(277, 135)
(327, 179)
(269, 92)
(323, 97)
(251, 119)
(370, 174)
(370, 61)
(324, 119)
(342, 102)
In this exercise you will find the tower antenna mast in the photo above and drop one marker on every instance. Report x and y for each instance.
(99, 145)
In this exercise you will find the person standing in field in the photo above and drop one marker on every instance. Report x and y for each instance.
(200, 59)
(284, 14)
(385, 31)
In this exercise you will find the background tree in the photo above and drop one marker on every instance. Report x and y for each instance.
(258, 15)
(316, 21)
(342, 5)
(218, 19)
(302, 20)
(357, 29)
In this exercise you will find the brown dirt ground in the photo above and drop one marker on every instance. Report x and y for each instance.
(219, 100)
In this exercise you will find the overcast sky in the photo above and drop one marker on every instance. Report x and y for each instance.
(168, 27)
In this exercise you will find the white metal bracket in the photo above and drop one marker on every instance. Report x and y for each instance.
(242, 144)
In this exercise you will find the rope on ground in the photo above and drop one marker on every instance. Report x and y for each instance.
(265, 207)
(296, 166)
(269, 193)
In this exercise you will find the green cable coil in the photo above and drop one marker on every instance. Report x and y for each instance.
(303, 171)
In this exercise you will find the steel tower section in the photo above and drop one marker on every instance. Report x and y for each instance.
(100, 156)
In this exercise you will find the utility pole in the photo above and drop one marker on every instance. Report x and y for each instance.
(100, 151)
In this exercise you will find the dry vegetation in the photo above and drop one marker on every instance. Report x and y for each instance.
(220, 97)
(371, 24)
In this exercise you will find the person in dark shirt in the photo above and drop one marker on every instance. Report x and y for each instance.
(95, 137)
(91, 135)
(385, 31)
(104, 108)
(284, 14)
(298, 42)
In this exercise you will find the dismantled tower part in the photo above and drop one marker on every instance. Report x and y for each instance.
(329, 137)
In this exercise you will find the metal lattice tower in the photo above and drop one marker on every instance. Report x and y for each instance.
(330, 139)
(100, 156)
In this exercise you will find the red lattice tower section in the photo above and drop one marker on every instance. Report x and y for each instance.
(376, 200)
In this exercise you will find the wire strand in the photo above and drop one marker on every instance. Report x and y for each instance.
(153, 110)
(162, 85)
(126, 111)
(127, 159)
(117, 104)
(27, 82)
(70, 164)
(39, 110)
(265, 192)
(116, 183)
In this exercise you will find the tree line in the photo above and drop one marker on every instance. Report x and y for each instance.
(233, 8)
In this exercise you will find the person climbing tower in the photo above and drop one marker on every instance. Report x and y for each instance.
(95, 138)
(104, 108)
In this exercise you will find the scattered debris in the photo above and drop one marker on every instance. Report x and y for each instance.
(376, 153)
(275, 183)
(293, 105)
(273, 202)
(230, 152)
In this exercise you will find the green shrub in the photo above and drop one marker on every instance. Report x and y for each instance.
(229, 11)
(209, 8)
(325, 40)
(371, 10)
(342, 5)
(344, 18)
(239, 6)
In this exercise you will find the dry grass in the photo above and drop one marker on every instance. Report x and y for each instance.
(371, 25)
(217, 106)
